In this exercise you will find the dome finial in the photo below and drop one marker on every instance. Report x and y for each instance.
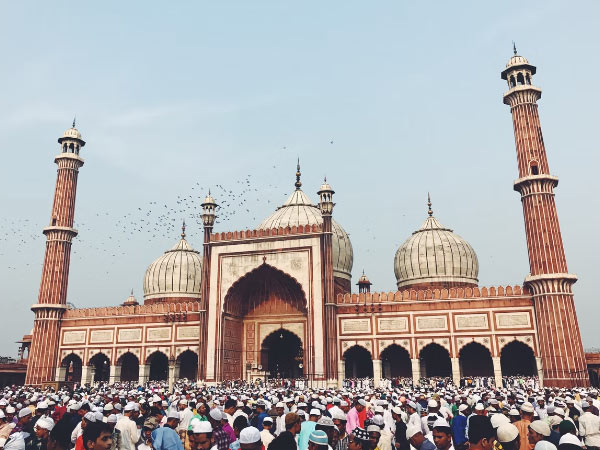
(298, 182)
(74, 120)
(430, 211)
(183, 230)
(132, 291)
(514, 48)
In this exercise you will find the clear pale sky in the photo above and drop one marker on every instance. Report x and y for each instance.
(174, 98)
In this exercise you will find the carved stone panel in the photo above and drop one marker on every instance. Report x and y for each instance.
(184, 333)
(513, 320)
(350, 326)
(74, 337)
(471, 321)
(159, 334)
(101, 336)
(130, 335)
(432, 323)
(392, 324)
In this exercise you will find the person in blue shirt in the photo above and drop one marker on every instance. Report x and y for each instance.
(166, 438)
(459, 427)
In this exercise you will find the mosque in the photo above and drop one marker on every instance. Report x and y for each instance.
(276, 301)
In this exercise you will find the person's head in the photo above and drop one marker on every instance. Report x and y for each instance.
(464, 409)
(59, 437)
(84, 409)
(411, 408)
(241, 422)
(182, 404)
(173, 419)
(326, 425)
(374, 435)
(43, 427)
(481, 433)
(527, 411)
(566, 426)
(230, 406)
(250, 439)
(97, 436)
(360, 404)
(538, 430)
(215, 417)
(442, 436)
(292, 423)
(201, 437)
(147, 432)
(24, 416)
(267, 422)
(479, 409)
(508, 435)
(318, 440)
(280, 408)
(414, 435)
(360, 440)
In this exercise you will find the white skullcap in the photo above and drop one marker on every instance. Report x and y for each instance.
(129, 407)
(250, 435)
(499, 419)
(112, 418)
(463, 407)
(507, 432)
(479, 407)
(108, 407)
(559, 412)
(412, 429)
(315, 412)
(362, 402)
(202, 427)
(24, 412)
(397, 410)
(42, 405)
(412, 404)
(90, 417)
(377, 420)
(216, 414)
(569, 438)
(527, 407)
(173, 415)
(2, 415)
(441, 422)
(432, 404)
(338, 414)
(10, 409)
(513, 412)
(374, 428)
(268, 419)
(46, 423)
(279, 405)
(541, 427)
(544, 445)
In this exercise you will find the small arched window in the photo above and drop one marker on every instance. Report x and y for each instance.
(528, 79)
(533, 166)
(520, 79)
(512, 81)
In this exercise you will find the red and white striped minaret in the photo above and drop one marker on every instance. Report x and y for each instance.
(561, 350)
(52, 299)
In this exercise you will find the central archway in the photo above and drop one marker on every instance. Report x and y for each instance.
(281, 354)
(358, 362)
(475, 361)
(517, 358)
(263, 295)
(159, 367)
(72, 365)
(395, 362)
(188, 365)
(435, 361)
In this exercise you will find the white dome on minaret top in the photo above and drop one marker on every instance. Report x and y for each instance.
(435, 257)
(175, 274)
(299, 210)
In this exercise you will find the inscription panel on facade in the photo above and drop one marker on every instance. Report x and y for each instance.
(74, 337)
(159, 334)
(130, 335)
(99, 336)
(188, 332)
(471, 321)
(394, 324)
(432, 323)
(350, 326)
(513, 320)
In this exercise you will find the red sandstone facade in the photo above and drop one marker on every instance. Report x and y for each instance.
(276, 301)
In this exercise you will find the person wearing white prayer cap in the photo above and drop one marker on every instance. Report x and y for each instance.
(508, 436)
(442, 435)
(250, 439)
(130, 433)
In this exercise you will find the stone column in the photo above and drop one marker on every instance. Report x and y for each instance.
(61, 373)
(416, 371)
(540, 369)
(85, 374)
(144, 373)
(115, 374)
(497, 372)
(455, 371)
(376, 373)
(171, 375)
(341, 372)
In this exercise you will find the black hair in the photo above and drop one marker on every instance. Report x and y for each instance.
(93, 430)
(240, 423)
(86, 406)
(155, 411)
(61, 433)
(446, 430)
(230, 403)
(480, 427)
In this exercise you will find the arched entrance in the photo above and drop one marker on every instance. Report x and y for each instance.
(259, 299)
(435, 361)
(475, 361)
(159, 366)
(281, 354)
(395, 362)
(72, 365)
(101, 365)
(517, 358)
(188, 365)
(358, 362)
(130, 367)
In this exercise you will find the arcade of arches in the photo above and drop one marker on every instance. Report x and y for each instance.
(474, 360)
(264, 296)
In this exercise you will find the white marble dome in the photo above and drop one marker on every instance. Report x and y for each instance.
(435, 255)
(72, 133)
(299, 210)
(516, 60)
(177, 273)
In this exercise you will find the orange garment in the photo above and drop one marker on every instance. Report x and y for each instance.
(79, 443)
(523, 427)
(362, 416)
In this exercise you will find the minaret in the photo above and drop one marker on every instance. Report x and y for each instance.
(208, 220)
(52, 298)
(364, 285)
(326, 207)
(561, 351)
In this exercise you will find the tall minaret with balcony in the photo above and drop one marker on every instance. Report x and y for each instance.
(561, 351)
(52, 298)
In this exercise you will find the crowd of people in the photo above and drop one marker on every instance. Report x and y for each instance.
(277, 415)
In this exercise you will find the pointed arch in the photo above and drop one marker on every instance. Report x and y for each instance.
(517, 358)
(395, 362)
(188, 365)
(73, 365)
(130, 367)
(358, 361)
(435, 361)
(282, 355)
(101, 366)
(475, 360)
(159, 366)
